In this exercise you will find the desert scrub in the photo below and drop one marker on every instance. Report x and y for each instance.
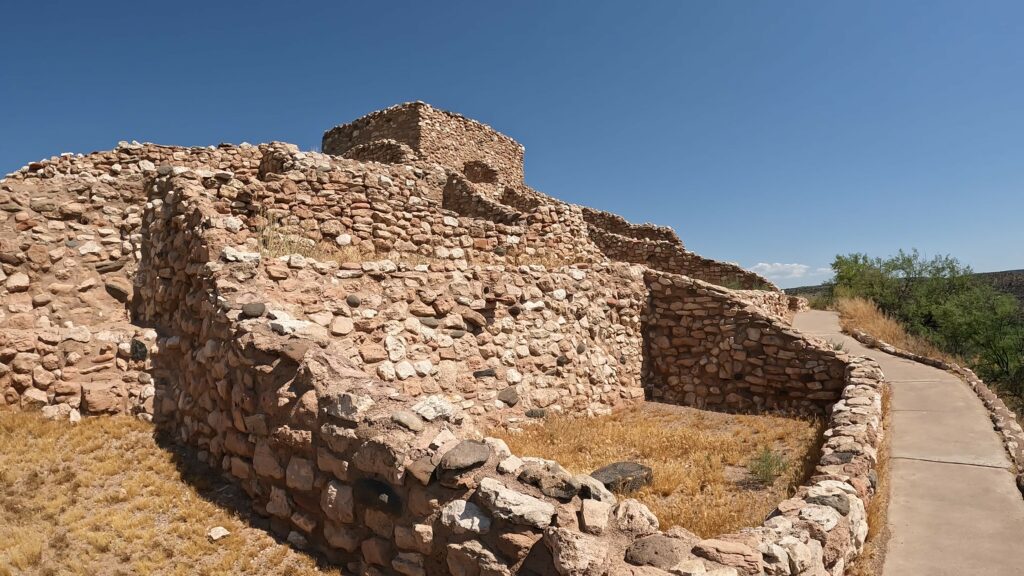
(102, 497)
(700, 459)
(767, 466)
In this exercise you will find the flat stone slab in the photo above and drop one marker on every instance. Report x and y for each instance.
(624, 477)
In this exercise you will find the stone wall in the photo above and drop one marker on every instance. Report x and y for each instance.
(399, 123)
(671, 257)
(386, 478)
(347, 394)
(68, 255)
(410, 209)
(710, 349)
(616, 224)
(383, 151)
(477, 151)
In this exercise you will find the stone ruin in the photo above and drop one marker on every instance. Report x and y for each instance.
(336, 331)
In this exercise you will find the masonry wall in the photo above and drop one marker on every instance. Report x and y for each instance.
(616, 224)
(458, 143)
(68, 256)
(709, 349)
(397, 124)
(384, 478)
(454, 140)
(671, 257)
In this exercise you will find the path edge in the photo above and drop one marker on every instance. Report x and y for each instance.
(1003, 420)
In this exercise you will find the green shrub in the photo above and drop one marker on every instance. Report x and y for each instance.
(767, 466)
(940, 300)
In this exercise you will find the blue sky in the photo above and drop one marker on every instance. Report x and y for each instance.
(773, 134)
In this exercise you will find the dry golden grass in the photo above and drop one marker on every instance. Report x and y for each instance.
(700, 459)
(102, 497)
(274, 243)
(862, 314)
(871, 558)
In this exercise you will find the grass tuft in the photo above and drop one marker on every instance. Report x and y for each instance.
(767, 466)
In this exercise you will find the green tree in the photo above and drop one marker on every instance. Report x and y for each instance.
(940, 299)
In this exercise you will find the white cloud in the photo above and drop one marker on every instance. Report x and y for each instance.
(780, 272)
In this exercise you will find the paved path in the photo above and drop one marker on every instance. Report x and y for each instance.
(954, 508)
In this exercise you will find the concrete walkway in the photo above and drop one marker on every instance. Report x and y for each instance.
(955, 509)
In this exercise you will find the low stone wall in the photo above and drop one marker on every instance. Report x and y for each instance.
(1003, 419)
(709, 349)
(673, 258)
(616, 224)
(461, 196)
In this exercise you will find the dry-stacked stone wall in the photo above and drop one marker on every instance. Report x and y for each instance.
(334, 333)
(616, 224)
(673, 258)
(410, 209)
(481, 153)
(387, 479)
(68, 253)
(711, 349)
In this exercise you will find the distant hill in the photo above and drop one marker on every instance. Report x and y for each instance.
(1009, 281)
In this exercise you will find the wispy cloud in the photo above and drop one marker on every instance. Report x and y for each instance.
(780, 272)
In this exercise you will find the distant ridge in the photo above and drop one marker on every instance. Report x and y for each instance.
(1009, 281)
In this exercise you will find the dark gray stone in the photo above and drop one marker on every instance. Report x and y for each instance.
(138, 350)
(254, 309)
(624, 477)
(840, 503)
(552, 479)
(536, 413)
(465, 454)
(509, 396)
(353, 300)
(485, 373)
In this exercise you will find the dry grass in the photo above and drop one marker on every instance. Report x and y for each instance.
(862, 314)
(521, 256)
(700, 459)
(102, 497)
(274, 243)
(871, 558)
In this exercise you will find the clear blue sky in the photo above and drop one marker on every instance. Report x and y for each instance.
(763, 132)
